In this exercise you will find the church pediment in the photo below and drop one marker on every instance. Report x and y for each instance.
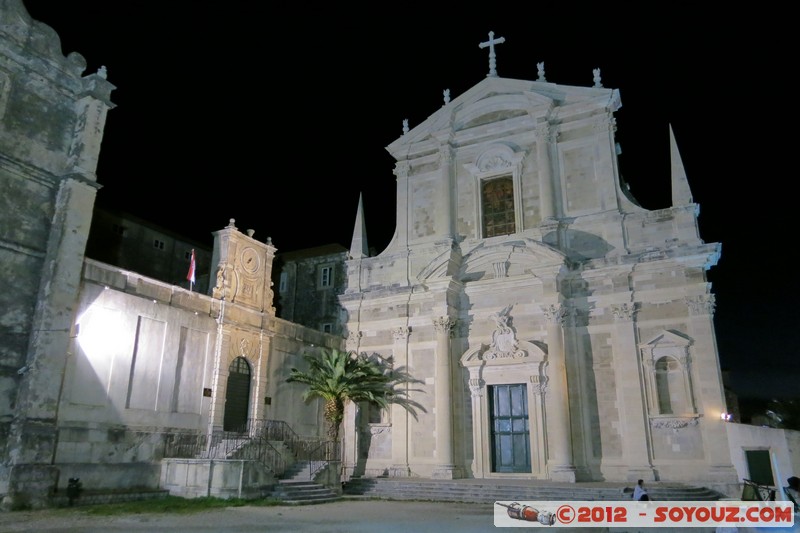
(517, 257)
(498, 107)
(495, 100)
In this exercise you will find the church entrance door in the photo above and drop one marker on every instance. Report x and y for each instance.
(237, 396)
(510, 433)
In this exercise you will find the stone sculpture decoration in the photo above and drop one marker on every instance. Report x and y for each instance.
(597, 81)
(504, 339)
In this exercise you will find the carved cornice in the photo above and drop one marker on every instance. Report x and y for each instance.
(673, 422)
(500, 269)
(701, 305)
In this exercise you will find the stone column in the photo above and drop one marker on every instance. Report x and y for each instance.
(443, 398)
(400, 467)
(559, 440)
(711, 393)
(633, 420)
(443, 207)
(546, 197)
(33, 434)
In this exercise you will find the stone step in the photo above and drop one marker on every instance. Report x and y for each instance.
(301, 492)
(477, 491)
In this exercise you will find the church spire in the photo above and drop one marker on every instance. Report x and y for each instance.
(681, 194)
(358, 246)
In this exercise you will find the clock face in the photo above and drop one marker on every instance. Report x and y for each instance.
(250, 260)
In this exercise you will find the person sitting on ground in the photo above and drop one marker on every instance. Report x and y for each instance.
(640, 493)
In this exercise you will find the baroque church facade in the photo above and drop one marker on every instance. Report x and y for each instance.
(557, 329)
(554, 329)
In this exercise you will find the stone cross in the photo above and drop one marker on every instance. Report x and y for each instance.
(490, 43)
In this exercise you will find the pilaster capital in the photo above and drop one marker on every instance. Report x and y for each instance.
(353, 340)
(477, 387)
(624, 312)
(401, 333)
(539, 385)
(446, 154)
(444, 324)
(401, 169)
(554, 314)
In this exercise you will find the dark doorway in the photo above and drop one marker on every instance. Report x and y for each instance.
(510, 438)
(759, 467)
(237, 396)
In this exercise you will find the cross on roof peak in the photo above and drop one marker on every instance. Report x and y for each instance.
(490, 43)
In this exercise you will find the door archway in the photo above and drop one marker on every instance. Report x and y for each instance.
(237, 396)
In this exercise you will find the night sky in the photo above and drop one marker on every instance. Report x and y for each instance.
(279, 118)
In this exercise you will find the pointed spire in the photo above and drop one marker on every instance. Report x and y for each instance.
(681, 194)
(358, 246)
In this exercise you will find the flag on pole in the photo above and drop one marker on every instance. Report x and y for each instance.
(190, 275)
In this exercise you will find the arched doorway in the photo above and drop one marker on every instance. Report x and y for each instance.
(237, 396)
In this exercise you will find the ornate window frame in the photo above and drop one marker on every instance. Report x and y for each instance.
(495, 162)
(670, 345)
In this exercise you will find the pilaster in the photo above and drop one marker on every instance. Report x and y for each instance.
(400, 467)
(445, 467)
(559, 440)
(633, 421)
(711, 395)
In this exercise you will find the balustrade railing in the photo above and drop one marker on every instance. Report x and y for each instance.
(255, 442)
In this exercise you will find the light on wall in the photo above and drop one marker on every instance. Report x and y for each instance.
(727, 417)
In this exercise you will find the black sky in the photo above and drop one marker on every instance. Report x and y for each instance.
(279, 118)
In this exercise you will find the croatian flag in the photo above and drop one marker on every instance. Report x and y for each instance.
(190, 275)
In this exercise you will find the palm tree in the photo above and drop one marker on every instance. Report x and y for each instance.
(339, 377)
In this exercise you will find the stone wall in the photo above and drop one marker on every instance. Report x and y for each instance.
(51, 125)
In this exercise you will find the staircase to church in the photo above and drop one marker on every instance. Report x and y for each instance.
(294, 461)
(489, 491)
(296, 486)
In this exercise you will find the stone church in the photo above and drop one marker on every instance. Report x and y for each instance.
(554, 329)
(558, 329)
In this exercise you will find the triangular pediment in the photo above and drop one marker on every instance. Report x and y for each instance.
(667, 338)
(494, 100)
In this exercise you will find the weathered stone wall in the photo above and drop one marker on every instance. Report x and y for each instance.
(51, 126)
(147, 364)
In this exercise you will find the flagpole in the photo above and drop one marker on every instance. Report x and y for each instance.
(192, 267)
